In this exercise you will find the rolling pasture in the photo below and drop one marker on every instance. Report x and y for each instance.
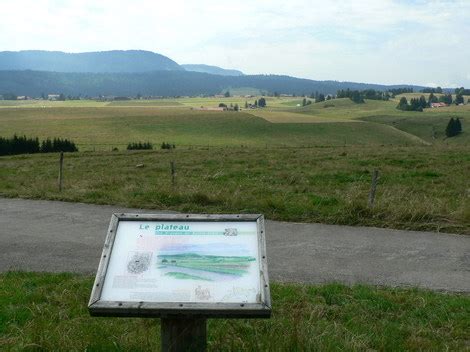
(103, 128)
(292, 163)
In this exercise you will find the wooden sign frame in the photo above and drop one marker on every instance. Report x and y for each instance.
(260, 309)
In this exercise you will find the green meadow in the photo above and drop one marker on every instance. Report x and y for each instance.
(48, 312)
(292, 163)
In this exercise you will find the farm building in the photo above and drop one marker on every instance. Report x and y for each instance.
(438, 105)
(53, 96)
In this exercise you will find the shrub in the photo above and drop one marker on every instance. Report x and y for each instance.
(167, 146)
(139, 146)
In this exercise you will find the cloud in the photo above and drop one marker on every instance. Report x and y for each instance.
(376, 41)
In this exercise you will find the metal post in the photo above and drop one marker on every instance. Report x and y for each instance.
(182, 334)
(61, 165)
(373, 187)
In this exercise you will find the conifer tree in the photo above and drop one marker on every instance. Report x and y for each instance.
(451, 129)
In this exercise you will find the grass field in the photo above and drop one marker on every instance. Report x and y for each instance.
(48, 312)
(421, 187)
(103, 128)
(294, 163)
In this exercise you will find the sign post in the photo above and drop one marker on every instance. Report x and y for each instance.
(183, 268)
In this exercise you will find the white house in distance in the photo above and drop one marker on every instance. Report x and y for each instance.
(53, 96)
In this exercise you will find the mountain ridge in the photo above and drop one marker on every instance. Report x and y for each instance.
(215, 70)
(116, 61)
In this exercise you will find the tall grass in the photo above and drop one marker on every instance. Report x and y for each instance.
(420, 188)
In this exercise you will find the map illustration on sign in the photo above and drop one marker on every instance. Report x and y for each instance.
(178, 261)
(201, 262)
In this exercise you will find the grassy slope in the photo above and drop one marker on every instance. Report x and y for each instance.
(116, 126)
(425, 188)
(48, 312)
(420, 187)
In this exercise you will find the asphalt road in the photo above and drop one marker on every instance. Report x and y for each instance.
(58, 236)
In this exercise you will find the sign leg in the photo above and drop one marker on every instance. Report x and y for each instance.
(182, 334)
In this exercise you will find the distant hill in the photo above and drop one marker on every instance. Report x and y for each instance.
(215, 70)
(164, 83)
(102, 61)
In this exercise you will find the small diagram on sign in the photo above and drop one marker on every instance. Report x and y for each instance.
(203, 293)
(138, 262)
(231, 232)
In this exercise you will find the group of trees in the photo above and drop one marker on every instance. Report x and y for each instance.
(231, 107)
(306, 102)
(25, 145)
(139, 146)
(437, 90)
(358, 96)
(167, 146)
(148, 146)
(416, 104)
(260, 103)
(454, 127)
(398, 91)
(58, 145)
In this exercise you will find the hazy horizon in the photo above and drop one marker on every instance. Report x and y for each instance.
(392, 42)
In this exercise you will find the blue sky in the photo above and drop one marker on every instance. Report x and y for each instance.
(378, 41)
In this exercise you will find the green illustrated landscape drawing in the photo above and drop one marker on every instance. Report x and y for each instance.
(192, 266)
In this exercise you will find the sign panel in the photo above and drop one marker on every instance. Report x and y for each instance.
(183, 264)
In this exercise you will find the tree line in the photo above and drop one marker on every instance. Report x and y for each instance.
(358, 96)
(160, 83)
(418, 104)
(24, 145)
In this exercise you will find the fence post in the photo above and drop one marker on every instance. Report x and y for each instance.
(61, 166)
(373, 187)
(173, 173)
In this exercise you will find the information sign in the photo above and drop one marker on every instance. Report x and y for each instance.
(172, 264)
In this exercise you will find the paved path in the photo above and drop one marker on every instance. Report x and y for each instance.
(58, 236)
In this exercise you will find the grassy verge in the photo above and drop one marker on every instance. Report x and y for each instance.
(420, 188)
(48, 312)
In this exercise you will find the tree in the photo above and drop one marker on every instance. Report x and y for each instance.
(262, 102)
(227, 94)
(256, 103)
(432, 99)
(422, 102)
(446, 98)
(61, 97)
(320, 98)
(438, 90)
(357, 97)
(458, 99)
(236, 108)
(304, 102)
(403, 104)
(246, 104)
(454, 127)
